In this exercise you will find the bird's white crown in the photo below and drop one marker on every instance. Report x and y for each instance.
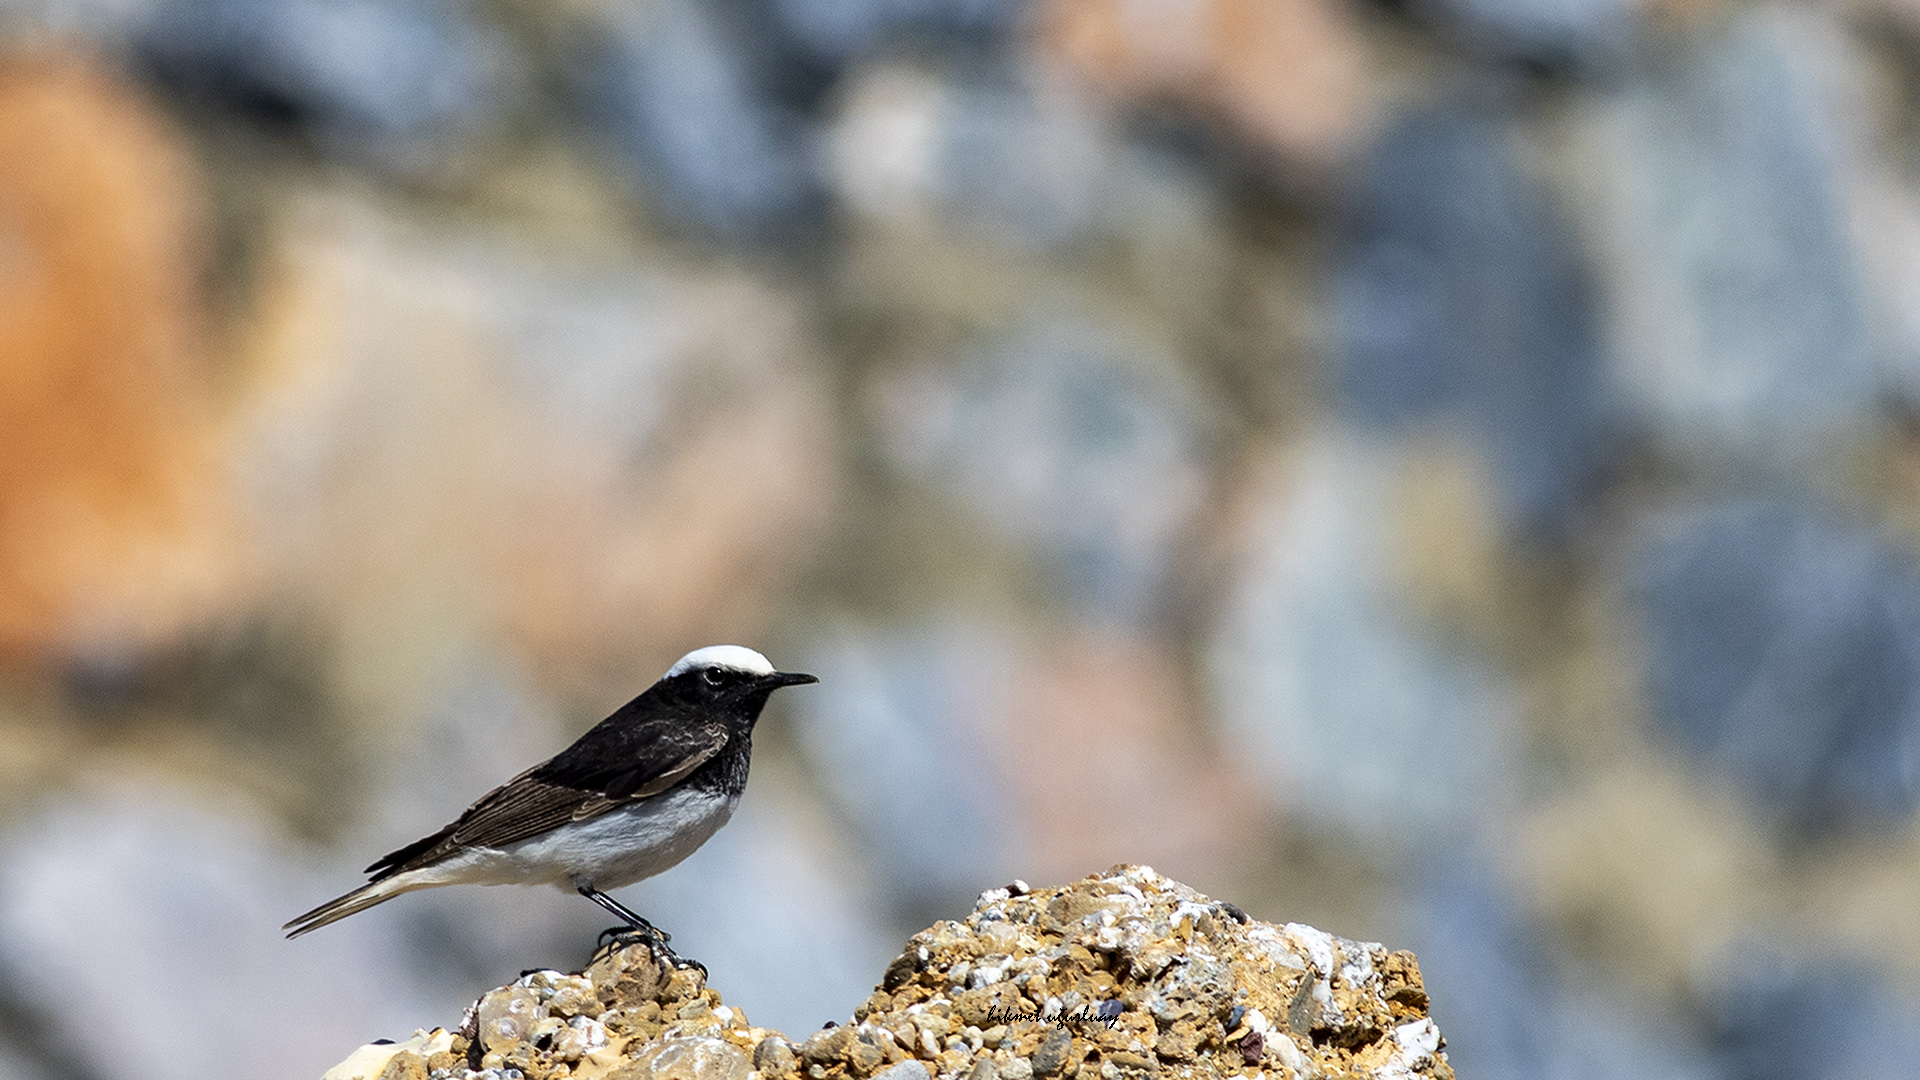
(737, 657)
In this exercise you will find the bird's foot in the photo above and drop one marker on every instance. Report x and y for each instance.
(655, 940)
(629, 935)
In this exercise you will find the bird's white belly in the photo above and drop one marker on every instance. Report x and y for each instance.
(617, 848)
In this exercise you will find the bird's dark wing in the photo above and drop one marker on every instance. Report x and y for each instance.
(604, 770)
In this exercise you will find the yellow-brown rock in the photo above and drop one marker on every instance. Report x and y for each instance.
(1122, 974)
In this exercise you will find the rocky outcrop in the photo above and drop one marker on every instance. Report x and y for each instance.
(1125, 974)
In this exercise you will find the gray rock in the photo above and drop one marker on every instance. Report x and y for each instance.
(1577, 34)
(906, 1070)
(1721, 202)
(775, 1055)
(388, 81)
(677, 92)
(985, 151)
(1530, 1017)
(1459, 299)
(1051, 1057)
(195, 898)
(837, 32)
(1355, 714)
(1783, 652)
(900, 738)
(1050, 436)
(1775, 1016)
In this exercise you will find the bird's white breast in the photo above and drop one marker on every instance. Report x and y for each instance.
(617, 848)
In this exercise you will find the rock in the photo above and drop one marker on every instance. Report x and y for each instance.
(1051, 1057)
(1288, 76)
(1722, 211)
(507, 1017)
(1783, 652)
(119, 527)
(389, 82)
(1562, 35)
(1048, 435)
(1005, 155)
(950, 738)
(679, 95)
(899, 744)
(990, 154)
(835, 33)
(547, 434)
(911, 1070)
(196, 889)
(393, 1061)
(1459, 300)
(1126, 970)
(702, 1058)
(1357, 709)
(1504, 980)
(1777, 1016)
(774, 1056)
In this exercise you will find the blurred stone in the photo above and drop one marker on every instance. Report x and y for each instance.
(1458, 302)
(1643, 870)
(1032, 164)
(1556, 34)
(1774, 1018)
(1143, 780)
(1127, 966)
(1783, 652)
(102, 23)
(604, 460)
(117, 526)
(900, 737)
(392, 82)
(977, 721)
(1050, 435)
(1289, 76)
(132, 890)
(955, 177)
(676, 92)
(848, 29)
(1355, 713)
(1720, 186)
(1513, 1010)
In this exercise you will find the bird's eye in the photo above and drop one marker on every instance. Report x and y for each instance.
(710, 676)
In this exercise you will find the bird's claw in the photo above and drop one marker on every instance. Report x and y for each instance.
(655, 940)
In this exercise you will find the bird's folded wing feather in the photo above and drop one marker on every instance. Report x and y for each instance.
(573, 786)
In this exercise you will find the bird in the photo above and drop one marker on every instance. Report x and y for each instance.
(631, 798)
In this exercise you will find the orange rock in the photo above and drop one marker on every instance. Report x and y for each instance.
(114, 527)
(1289, 75)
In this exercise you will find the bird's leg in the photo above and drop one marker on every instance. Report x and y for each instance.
(625, 914)
(640, 928)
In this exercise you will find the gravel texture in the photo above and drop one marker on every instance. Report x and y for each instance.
(1122, 974)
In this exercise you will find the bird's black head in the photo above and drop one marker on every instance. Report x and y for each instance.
(726, 679)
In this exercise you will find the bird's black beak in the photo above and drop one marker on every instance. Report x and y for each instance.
(788, 678)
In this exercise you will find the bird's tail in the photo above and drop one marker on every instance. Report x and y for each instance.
(358, 900)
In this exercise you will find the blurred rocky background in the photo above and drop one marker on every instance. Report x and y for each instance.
(1447, 471)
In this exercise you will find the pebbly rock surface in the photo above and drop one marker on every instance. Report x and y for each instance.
(1120, 975)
